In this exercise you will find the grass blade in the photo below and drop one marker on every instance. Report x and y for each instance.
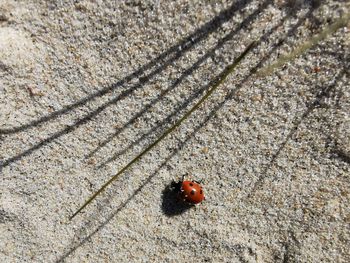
(305, 46)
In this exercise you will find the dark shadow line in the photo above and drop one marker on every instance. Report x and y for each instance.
(340, 154)
(324, 93)
(185, 74)
(178, 49)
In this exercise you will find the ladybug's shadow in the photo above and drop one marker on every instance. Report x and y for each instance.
(171, 204)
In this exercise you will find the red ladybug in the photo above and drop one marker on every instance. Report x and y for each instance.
(190, 191)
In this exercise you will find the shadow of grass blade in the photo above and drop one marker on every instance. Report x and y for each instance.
(229, 69)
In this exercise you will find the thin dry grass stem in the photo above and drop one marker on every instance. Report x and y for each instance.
(305, 46)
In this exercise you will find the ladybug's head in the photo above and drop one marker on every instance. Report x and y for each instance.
(176, 186)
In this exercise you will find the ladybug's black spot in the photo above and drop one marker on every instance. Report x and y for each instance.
(193, 192)
(191, 184)
(201, 192)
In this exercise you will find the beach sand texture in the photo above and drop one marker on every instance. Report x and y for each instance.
(85, 86)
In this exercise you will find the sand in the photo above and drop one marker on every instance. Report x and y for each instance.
(85, 87)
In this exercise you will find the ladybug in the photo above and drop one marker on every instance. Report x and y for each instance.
(189, 191)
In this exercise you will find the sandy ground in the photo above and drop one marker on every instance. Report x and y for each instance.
(84, 87)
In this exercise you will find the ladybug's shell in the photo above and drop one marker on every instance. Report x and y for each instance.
(192, 192)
